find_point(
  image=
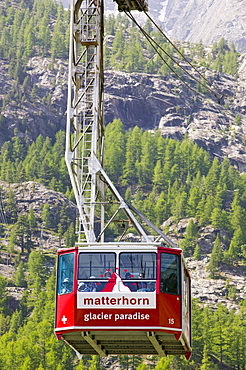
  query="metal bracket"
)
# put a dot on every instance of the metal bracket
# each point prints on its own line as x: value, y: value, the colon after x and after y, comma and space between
x: 152, y: 338
x: 93, y: 343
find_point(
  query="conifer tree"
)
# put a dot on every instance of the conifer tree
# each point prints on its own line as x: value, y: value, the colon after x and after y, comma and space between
x: 114, y: 149
x: 46, y: 217
x: 21, y: 232
x: 36, y: 268
x: 216, y: 257
x: 235, y: 248
x: 189, y: 241
x: 3, y: 295
x: 10, y: 207
x: 158, y: 179
x: 197, y: 252
x: 133, y: 154
x: 80, y: 366
x: 19, y: 277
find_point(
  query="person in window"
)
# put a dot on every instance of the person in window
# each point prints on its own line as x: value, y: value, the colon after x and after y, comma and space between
x: 83, y: 287
x: 92, y: 286
x: 66, y: 286
x: 142, y: 287
x: 131, y: 286
x: 171, y: 284
x: 107, y: 274
x: 151, y: 286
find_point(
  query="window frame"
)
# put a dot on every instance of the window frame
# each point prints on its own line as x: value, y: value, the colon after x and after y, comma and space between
x: 69, y: 275
x: 167, y: 286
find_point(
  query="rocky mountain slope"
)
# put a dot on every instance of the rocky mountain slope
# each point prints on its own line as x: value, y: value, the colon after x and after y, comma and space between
x: 155, y: 102
x: 206, y: 20
x: 149, y: 101
x: 198, y: 20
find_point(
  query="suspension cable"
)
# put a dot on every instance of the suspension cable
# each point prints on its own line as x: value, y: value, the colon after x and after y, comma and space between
x: 207, y: 84
x: 175, y: 47
x: 152, y: 42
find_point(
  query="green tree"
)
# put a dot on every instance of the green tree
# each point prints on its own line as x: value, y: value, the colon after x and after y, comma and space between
x: 19, y: 276
x: 10, y: 207
x: 133, y: 155
x: 197, y: 252
x: 164, y: 363
x: 189, y: 241
x: 80, y: 366
x: 36, y: 269
x: 3, y: 294
x: 235, y: 248
x: 216, y: 257
x: 21, y: 232
x: 118, y: 49
x: 46, y: 216
x: 58, y: 41
x: 114, y: 149
x: 16, y: 321
x: 70, y: 236
x: 219, y: 218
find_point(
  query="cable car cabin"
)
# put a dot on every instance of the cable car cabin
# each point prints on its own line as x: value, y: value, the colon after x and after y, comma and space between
x: 128, y: 5
x: 124, y: 298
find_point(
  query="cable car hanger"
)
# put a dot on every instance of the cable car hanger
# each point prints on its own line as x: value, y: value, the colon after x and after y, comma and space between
x: 121, y: 296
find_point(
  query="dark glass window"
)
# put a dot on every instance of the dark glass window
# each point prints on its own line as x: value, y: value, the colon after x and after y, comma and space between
x: 66, y: 273
x: 138, y: 271
x: 170, y: 273
x: 138, y: 265
x: 96, y: 265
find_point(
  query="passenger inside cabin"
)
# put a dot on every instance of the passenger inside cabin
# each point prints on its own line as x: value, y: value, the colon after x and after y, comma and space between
x: 82, y: 287
x: 67, y: 286
x: 142, y: 287
x: 92, y: 285
x: 107, y: 274
x: 131, y: 285
x: 170, y: 285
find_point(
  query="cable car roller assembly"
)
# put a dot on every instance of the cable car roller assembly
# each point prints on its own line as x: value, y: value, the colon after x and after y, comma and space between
x: 130, y: 295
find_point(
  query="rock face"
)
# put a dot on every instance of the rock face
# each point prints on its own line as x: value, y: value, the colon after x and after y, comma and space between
x: 206, y: 20
x: 229, y: 287
x: 149, y: 101
x: 196, y: 20
x: 42, y: 106
x: 211, y: 292
x: 35, y: 195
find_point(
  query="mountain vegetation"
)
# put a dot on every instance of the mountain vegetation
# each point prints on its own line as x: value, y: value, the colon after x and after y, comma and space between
x: 127, y: 49
x: 182, y: 181
x: 163, y: 178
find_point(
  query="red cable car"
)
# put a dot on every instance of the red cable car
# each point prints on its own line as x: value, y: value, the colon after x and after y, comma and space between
x: 124, y: 298
x: 112, y: 297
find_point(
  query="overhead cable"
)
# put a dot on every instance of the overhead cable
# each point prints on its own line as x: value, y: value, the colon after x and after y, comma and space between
x: 151, y: 41
x: 205, y: 84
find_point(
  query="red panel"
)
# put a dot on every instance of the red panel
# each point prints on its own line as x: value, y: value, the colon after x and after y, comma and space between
x: 170, y: 310
x: 65, y: 310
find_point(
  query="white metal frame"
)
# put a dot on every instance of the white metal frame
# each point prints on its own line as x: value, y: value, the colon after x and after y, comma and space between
x: 85, y: 132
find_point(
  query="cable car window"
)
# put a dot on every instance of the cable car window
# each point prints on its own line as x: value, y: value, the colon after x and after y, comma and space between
x: 138, y: 265
x: 170, y: 273
x: 96, y: 265
x: 138, y: 271
x: 66, y: 273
